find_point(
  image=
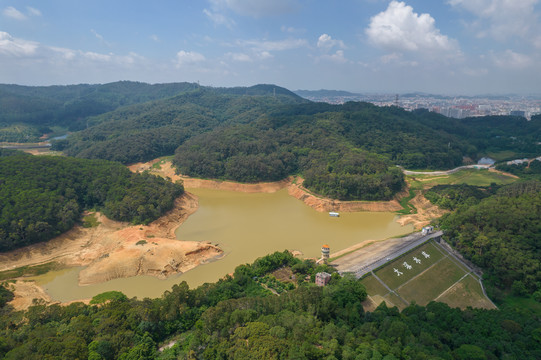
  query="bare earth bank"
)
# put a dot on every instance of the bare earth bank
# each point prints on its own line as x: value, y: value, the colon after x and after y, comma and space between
x: 113, y: 250
x: 293, y: 185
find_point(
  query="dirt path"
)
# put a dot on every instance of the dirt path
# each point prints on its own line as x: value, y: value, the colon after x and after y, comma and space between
x: 504, y: 173
x: 426, y: 212
x: 445, y: 172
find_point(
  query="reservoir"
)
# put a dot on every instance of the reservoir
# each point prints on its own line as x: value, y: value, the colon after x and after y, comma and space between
x: 245, y: 226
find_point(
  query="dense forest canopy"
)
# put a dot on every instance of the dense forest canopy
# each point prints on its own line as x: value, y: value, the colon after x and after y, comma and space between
x: 237, y: 318
x: 345, y: 151
x: 252, y: 134
x: 450, y: 197
x: 418, y: 139
x: 260, y: 133
x: 70, y: 105
x: 43, y: 196
x: 500, y: 233
x: 146, y: 131
x: 267, y: 150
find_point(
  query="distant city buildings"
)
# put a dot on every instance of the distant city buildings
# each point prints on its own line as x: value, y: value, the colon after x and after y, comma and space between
x: 456, y: 107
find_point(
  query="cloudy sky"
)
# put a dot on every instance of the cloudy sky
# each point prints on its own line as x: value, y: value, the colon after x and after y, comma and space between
x: 439, y: 46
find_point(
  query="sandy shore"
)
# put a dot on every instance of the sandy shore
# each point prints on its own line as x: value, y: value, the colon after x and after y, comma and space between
x: 113, y: 250
x: 116, y: 250
x: 293, y: 185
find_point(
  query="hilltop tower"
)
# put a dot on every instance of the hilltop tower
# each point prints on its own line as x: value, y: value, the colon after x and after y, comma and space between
x: 325, y: 251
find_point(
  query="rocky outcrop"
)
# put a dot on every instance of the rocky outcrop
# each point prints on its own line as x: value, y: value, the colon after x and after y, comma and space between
x: 157, y: 257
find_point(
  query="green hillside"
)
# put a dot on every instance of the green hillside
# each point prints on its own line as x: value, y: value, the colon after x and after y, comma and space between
x: 238, y: 318
x: 146, y: 131
x: 69, y: 106
x: 264, y: 133
x: 500, y: 233
x: 43, y: 196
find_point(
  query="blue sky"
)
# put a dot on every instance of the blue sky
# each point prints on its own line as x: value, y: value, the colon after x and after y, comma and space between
x: 447, y: 47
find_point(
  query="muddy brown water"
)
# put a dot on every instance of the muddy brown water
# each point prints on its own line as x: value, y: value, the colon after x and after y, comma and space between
x: 245, y: 226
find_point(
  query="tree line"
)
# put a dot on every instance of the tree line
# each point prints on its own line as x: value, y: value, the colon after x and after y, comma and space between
x: 236, y: 318
x: 500, y: 233
x: 43, y: 196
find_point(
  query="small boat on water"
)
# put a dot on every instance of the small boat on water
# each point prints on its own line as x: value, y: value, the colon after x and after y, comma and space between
x: 334, y: 214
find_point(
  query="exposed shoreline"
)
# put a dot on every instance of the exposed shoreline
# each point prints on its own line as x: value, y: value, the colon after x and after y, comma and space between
x: 118, y: 250
x: 114, y: 250
x: 292, y: 184
x: 425, y: 210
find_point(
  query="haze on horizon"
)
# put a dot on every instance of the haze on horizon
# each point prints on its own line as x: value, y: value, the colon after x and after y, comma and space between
x: 446, y: 46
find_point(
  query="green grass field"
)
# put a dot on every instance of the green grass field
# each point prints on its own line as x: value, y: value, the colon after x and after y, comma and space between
x: 395, y: 301
x: 466, y: 293
x: 476, y: 177
x: 430, y: 284
x: 373, y: 286
x: 439, y: 277
x: 388, y: 275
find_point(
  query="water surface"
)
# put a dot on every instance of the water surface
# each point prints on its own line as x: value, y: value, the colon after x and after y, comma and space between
x: 245, y: 226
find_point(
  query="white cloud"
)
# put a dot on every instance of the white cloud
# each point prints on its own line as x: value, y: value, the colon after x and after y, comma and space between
x: 389, y: 58
x: 537, y: 42
x: 154, y: 37
x: 279, y: 45
x: 512, y: 60
x: 219, y: 19
x: 100, y: 37
x: 258, y: 8
x: 400, y: 29
x: 241, y: 57
x: 11, y: 46
x: 97, y: 56
x: 33, y: 11
x: 66, y: 54
x: 16, y: 49
x: 398, y: 59
x: 337, y: 57
x: 189, y: 58
x: 260, y: 50
x: 475, y: 72
x: 501, y: 19
x: 292, y: 30
x: 13, y: 13
x: 326, y: 42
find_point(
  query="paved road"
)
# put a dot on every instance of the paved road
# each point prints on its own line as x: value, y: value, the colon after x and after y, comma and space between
x: 362, y: 261
x: 26, y: 146
x: 446, y: 172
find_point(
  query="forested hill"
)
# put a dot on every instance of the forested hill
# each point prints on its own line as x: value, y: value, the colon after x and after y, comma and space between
x: 348, y: 151
x: 69, y: 106
x: 499, y: 232
x: 145, y: 131
x: 43, y: 196
x: 265, y: 132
